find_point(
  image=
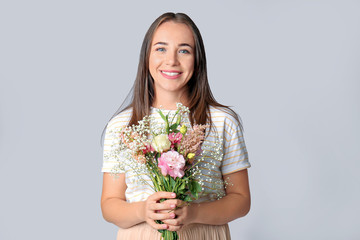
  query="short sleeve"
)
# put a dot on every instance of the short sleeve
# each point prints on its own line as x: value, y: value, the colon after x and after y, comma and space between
x: 235, y: 156
x: 111, y: 142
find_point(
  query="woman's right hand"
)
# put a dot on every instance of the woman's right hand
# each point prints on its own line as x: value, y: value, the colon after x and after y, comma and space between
x: 154, y: 210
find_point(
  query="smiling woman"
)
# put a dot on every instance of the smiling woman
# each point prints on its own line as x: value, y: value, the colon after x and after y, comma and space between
x: 172, y: 70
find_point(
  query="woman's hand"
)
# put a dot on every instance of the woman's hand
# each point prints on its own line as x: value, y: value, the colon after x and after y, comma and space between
x: 184, y: 214
x: 154, y: 210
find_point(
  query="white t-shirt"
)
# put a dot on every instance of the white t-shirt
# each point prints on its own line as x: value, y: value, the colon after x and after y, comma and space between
x: 224, y: 149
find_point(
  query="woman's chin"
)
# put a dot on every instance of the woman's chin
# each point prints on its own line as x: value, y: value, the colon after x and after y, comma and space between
x: 173, y: 88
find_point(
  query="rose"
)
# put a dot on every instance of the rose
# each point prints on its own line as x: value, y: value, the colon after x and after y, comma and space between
x: 161, y: 143
x: 172, y: 163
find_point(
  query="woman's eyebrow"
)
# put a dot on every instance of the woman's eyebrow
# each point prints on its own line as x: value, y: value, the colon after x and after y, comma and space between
x: 185, y: 45
x: 180, y: 45
x: 160, y: 43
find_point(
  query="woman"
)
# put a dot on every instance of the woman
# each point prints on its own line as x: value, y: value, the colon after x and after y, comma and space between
x: 172, y: 69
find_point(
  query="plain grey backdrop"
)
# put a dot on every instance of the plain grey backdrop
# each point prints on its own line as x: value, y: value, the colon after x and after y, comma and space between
x: 289, y: 68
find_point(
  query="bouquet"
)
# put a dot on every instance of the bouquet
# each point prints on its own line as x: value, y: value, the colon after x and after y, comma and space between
x: 167, y: 154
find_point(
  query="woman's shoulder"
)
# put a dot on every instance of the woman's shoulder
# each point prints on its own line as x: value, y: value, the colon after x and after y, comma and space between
x: 223, y: 115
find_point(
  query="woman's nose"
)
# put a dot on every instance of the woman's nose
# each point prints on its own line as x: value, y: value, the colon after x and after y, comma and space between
x: 172, y: 58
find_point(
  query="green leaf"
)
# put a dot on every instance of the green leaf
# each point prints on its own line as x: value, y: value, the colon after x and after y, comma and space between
x: 178, y: 120
x: 183, y: 191
x: 187, y: 199
x: 193, y: 190
x: 172, y: 183
x: 174, y: 126
x: 162, y: 115
x: 164, y: 183
x: 182, y: 186
x: 197, y: 186
x: 168, y: 183
x: 191, y: 185
x: 167, y: 124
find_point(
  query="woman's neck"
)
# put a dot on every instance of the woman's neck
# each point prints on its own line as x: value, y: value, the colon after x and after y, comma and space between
x: 168, y: 100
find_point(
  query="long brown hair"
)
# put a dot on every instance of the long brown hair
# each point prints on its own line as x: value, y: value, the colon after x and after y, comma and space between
x: 200, y: 95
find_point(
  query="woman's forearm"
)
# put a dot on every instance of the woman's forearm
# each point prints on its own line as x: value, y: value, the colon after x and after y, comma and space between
x: 121, y: 213
x: 222, y: 211
x: 218, y: 212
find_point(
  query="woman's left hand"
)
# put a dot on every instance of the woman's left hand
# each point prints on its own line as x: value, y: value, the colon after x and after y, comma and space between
x: 184, y: 214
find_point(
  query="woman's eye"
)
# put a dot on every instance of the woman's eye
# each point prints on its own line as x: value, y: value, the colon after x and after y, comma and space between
x: 184, y: 51
x: 160, y: 49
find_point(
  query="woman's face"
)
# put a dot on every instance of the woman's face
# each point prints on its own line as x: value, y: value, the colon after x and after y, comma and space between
x: 171, y: 61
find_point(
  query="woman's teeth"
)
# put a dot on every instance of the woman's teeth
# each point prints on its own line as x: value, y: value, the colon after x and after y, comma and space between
x: 171, y: 73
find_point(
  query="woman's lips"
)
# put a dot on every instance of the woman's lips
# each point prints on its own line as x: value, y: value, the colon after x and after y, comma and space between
x: 170, y: 74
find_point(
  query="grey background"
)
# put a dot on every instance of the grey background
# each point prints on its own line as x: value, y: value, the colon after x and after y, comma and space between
x: 289, y: 68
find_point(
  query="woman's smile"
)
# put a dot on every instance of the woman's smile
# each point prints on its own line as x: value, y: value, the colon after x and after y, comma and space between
x: 170, y: 74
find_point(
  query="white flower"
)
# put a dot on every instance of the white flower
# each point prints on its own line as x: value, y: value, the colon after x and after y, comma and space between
x: 161, y: 143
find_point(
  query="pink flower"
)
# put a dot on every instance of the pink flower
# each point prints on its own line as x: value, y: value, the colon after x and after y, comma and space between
x: 148, y: 148
x: 171, y: 163
x: 175, y: 138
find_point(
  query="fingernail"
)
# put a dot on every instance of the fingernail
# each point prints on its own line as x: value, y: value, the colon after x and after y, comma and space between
x: 172, y: 205
x: 164, y: 226
x: 172, y: 215
x: 173, y: 195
